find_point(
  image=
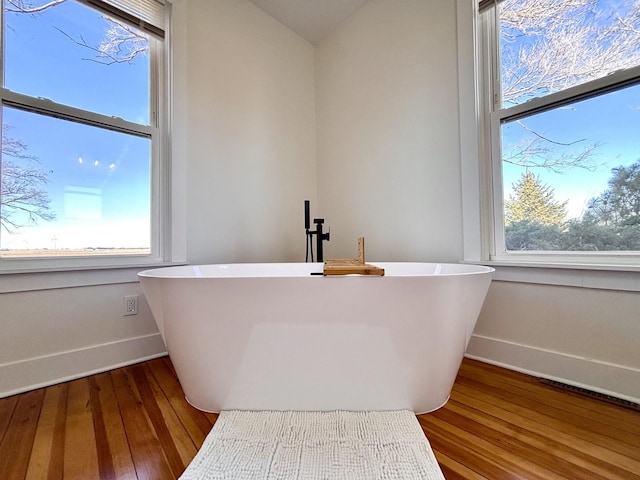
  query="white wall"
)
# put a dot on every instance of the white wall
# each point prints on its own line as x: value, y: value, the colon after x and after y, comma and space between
x: 249, y: 122
x: 58, y: 334
x: 581, y: 336
x: 388, y: 135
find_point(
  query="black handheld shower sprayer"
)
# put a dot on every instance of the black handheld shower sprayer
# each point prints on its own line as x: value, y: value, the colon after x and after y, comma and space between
x: 320, y: 235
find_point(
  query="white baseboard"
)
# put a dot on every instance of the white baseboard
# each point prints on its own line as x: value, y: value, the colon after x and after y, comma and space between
x: 24, y: 375
x: 610, y: 379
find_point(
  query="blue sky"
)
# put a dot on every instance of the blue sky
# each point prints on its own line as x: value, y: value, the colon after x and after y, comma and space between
x: 41, y: 61
x: 99, y: 180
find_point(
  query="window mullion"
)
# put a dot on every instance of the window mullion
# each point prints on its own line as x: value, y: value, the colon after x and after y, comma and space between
x: 582, y: 91
x: 2, y: 44
x: 489, y: 137
x: 495, y: 83
x: 158, y: 209
x: 51, y: 108
x: 498, y: 244
x: 155, y: 74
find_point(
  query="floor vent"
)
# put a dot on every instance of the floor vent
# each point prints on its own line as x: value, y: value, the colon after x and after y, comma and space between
x: 591, y: 394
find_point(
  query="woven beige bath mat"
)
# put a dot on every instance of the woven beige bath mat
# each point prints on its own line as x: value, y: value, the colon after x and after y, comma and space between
x: 315, y: 446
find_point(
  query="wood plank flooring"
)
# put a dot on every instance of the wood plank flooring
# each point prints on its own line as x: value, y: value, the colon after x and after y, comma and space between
x: 134, y: 423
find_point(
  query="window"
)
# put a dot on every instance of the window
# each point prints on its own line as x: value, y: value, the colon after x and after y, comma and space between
x: 560, y: 88
x: 82, y: 133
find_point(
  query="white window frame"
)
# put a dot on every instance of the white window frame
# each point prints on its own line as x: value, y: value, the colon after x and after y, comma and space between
x: 490, y: 232
x: 157, y: 132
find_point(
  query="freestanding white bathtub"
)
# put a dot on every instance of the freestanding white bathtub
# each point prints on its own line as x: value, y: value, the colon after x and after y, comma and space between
x: 276, y: 337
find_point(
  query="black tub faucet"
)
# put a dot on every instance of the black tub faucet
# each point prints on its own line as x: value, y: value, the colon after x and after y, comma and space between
x: 320, y: 235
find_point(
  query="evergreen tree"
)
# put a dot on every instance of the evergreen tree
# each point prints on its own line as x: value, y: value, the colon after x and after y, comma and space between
x: 533, y: 201
x: 620, y: 204
x: 529, y: 235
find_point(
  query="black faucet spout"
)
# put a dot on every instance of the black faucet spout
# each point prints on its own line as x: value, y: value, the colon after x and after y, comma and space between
x: 321, y: 235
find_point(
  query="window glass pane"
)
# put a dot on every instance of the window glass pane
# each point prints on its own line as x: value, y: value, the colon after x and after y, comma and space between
x: 75, y: 55
x: 548, y: 46
x: 72, y: 189
x: 571, y: 176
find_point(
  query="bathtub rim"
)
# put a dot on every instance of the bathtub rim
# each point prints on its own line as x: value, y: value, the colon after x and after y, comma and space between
x: 309, y: 270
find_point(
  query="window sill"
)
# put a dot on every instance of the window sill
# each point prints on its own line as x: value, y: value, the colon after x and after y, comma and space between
x: 46, y: 279
x: 597, y: 276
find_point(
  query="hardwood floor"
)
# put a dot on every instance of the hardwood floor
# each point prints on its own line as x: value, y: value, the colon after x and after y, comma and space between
x: 133, y: 423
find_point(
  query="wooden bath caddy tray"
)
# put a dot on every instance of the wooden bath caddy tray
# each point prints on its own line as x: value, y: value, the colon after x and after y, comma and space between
x: 352, y: 266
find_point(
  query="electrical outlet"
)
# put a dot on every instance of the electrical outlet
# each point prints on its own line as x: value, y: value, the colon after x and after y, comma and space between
x: 130, y: 305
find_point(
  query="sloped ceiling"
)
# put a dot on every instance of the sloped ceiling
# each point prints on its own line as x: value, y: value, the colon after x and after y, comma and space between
x: 311, y: 19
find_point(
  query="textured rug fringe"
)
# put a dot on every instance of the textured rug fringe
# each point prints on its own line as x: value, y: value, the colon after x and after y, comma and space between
x: 315, y: 445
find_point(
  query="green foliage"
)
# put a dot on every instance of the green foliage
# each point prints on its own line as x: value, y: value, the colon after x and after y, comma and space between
x: 533, y: 201
x: 585, y: 235
x: 612, y: 222
x: 532, y: 235
x: 620, y: 204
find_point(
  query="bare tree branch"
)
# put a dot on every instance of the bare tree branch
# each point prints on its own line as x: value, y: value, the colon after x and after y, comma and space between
x: 547, y: 139
x: 21, y: 6
x: 536, y: 153
x: 22, y: 192
x: 116, y: 50
x: 21, y: 185
x: 122, y: 43
x: 548, y: 46
x: 568, y: 42
x: 14, y: 147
